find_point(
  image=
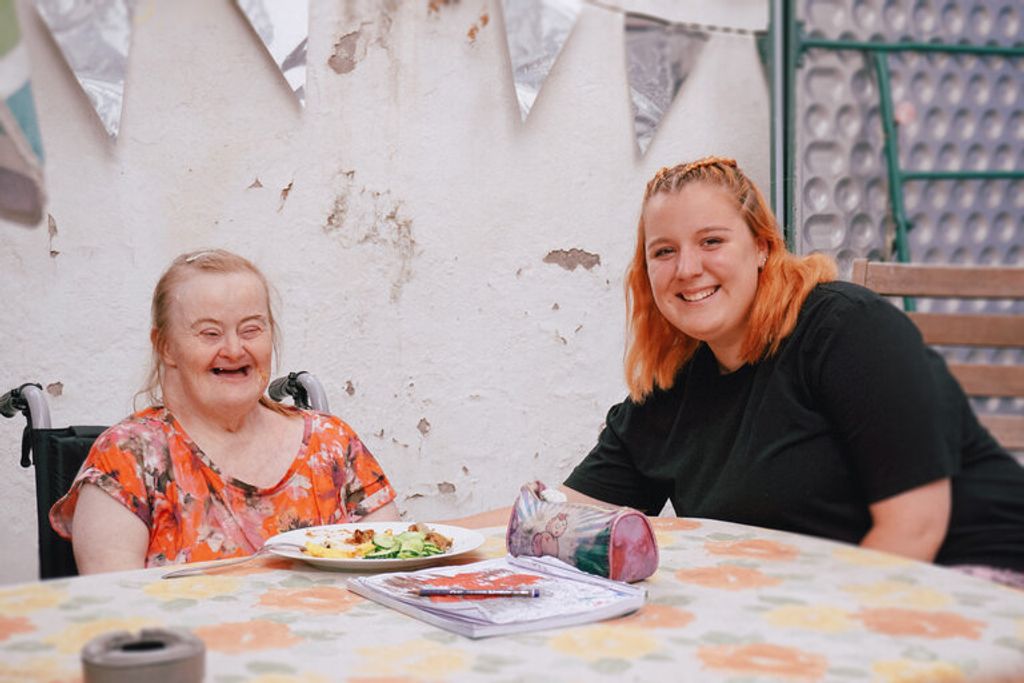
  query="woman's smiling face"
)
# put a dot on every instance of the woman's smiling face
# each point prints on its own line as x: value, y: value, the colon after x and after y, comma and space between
x: 702, y: 263
x: 219, y: 342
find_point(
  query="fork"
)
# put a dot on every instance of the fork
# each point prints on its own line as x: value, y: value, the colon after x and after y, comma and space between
x: 219, y: 564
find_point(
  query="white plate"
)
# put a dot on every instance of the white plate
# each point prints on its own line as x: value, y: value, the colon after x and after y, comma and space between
x: 463, y: 541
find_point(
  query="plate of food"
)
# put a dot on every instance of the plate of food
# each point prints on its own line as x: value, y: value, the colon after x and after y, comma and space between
x: 375, y: 546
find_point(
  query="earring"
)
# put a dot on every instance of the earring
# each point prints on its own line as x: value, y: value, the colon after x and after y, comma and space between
x: 764, y: 260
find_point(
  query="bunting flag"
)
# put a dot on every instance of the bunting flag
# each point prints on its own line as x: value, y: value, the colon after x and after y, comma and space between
x: 283, y: 26
x: 659, y: 57
x: 94, y: 38
x: 21, y: 150
x: 535, y: 31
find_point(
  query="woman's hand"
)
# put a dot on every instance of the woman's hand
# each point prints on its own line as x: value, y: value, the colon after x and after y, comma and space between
x: 912, y: 523
x: 105, y: 535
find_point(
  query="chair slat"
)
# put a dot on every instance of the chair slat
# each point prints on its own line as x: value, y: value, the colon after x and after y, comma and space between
x: 971, y: 330
x: 956, y: 329
x: 904, y: 279
x: 989, y: 380
x: 1008, y: 430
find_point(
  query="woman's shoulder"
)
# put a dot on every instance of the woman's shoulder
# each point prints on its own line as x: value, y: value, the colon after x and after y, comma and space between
x: 325, y: 423
x: 154, y: 419
x: 839, y: 303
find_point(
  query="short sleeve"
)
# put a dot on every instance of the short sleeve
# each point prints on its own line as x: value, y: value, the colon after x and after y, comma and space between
x: 113, y: 467
x: 877, y: 383
x: 609, y: 472
x: 366, y: 486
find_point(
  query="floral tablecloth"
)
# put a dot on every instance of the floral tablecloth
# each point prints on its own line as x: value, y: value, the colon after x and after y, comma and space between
x: 728, y: 603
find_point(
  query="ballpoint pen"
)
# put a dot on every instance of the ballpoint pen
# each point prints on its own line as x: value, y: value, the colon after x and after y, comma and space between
x: 485, y: 592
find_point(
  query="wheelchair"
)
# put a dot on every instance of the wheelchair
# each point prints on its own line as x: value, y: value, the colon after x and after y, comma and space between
x: 58, y: 453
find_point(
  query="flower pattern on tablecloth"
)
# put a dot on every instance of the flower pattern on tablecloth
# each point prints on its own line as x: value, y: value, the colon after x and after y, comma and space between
x: 728, y: 603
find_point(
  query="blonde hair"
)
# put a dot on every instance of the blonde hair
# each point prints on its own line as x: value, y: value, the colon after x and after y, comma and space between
x: 181, y: 268
x: 655, y: 349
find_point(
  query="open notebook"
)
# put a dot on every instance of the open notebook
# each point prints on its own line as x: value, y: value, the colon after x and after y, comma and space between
x: 564, y: 595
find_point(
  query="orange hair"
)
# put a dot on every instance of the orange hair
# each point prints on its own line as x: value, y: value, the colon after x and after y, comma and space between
x: 202, y: 261
x: 655, y: 349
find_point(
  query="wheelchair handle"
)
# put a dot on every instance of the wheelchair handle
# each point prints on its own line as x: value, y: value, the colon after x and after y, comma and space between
x: 29, y: 400
x: 304, y: 388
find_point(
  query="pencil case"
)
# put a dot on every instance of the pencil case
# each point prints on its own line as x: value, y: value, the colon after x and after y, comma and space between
x: 615, y: 543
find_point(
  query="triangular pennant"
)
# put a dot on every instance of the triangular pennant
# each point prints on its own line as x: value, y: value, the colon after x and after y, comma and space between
x: 21, y: 150
x: 536, y: 30
x: 94, y: 38
x: 283, y: 26
x: 659, y: 57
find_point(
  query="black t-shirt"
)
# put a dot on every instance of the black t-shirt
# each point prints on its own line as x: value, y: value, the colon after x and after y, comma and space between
x: 854, y: 408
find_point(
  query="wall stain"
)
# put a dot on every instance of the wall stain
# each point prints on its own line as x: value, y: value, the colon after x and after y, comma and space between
x: 367, y: 217
x: 255, y: 184
x: 477, y: 26
x: 349, y: 388
x: 434, y: 6
x: 423, y: 426
x: 55, y: 388
x: 572, y: 258
x: 284, y: 195
x: 445, y: 487
x: 51, y: 226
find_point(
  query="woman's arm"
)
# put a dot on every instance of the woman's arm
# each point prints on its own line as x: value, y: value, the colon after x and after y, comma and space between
x: 106, y: 536
x: 912, y: 523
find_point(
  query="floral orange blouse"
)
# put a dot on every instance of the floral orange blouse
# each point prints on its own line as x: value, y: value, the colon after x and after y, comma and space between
x: 151, y: 466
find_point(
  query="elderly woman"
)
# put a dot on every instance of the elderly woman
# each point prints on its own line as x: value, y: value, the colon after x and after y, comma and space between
x: 213, y: 468
x: 764, y: 392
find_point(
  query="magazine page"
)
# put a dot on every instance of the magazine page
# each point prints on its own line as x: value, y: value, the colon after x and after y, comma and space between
x: 525, y: 593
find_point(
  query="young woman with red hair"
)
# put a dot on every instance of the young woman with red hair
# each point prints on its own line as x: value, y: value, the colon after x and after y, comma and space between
x: 764, y: 391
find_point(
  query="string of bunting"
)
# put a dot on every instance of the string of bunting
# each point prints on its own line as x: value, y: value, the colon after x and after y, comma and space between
x: 660, y: 54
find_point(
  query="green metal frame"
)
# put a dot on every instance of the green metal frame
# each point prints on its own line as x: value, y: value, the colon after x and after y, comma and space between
x: 795, y: 44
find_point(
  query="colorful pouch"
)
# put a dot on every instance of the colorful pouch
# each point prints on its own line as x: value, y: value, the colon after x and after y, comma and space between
x: 618, y: 543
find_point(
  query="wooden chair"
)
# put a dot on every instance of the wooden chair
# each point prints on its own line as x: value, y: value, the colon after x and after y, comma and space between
x: 986, y: 329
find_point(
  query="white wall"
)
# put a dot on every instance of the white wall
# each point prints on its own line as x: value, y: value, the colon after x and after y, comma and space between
x: 409, y: 251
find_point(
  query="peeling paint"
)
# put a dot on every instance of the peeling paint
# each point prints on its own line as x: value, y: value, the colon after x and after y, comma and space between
x: 465, y: 470
x: 412, y: 496
x: 572, y: 258
x: 434, y: 6
x: 351, y: 48
x: 347, y: 53
x: 476, y: 27
x: 578, y: 328
x: 560, y: 339
x: 380, y: 434
x: 423, y: 426
x: 51, y: 225
x: 445, y: 487
x: 555, y: 306
x: 372, y: 217
x: 284, y: 194
x: 255, y: 184
x: 55, y: 388
x: 350, y: 389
